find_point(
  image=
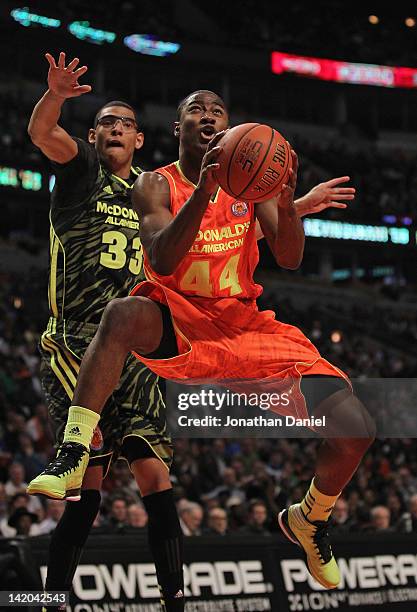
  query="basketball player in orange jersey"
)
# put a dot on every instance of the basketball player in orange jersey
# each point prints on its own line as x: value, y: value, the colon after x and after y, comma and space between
x: 196, y: 317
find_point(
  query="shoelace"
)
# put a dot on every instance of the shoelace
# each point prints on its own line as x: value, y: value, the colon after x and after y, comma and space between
x: 69, y: 458
x: 321, y: 541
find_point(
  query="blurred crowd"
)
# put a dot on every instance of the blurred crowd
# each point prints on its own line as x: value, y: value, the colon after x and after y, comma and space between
x: 221, y: 486
x: 298, y: 28
x: 386, y: 181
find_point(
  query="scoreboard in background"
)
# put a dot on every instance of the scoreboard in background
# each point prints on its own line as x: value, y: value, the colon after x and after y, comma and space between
x: 340, y: 230
x: 344, y: 72
x: 20, y: 178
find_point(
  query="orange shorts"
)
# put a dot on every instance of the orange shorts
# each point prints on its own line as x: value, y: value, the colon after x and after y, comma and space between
x: 228, y: 339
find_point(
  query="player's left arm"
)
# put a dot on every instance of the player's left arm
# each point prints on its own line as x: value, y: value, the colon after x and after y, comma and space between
x: 281, y: 224
x: 322, y: 196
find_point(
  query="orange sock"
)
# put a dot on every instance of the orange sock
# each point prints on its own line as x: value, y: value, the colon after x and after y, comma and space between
x: 317, y: 506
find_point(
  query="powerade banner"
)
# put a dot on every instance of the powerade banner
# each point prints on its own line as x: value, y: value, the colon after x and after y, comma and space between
x: 245, y: 574
x: 222, y: 574
x: 376, y: 572
x: 344, y: 72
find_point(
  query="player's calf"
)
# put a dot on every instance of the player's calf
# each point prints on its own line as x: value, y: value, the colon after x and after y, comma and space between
x: 306, y: 523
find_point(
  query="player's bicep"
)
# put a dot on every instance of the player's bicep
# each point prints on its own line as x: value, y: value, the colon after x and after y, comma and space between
x: 57, y: 145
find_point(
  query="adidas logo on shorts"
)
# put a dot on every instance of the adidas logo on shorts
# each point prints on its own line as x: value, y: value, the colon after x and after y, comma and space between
x: 179, y: 595
x: 75, y: 431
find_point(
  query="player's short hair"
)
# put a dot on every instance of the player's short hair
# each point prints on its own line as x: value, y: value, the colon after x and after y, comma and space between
x: 184, y: 101
x: 115, y: 103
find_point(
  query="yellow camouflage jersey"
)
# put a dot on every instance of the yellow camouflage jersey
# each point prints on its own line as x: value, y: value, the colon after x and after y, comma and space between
x: 95, y: 249
x: 96, y: 255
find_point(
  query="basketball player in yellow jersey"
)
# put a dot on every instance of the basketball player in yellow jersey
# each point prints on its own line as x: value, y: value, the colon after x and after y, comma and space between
x: 96, y: 255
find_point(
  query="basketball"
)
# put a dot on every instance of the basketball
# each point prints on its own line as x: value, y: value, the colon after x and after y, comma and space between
x: 255, y: 162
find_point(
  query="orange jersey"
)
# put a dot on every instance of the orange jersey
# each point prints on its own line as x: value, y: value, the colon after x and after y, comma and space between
x: 224, y: 254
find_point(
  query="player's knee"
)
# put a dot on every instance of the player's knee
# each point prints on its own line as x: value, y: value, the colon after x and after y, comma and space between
x: 125, y: 319
x: 350, y: 429
x: 112, y: 321
x: 348, y: 421
x: 133, y: 321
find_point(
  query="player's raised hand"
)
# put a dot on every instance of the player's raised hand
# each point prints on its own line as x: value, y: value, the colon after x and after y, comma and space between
x: 208, y: 181
x: 63, y: 80
x: 329, y: 194
x: 286, y: 196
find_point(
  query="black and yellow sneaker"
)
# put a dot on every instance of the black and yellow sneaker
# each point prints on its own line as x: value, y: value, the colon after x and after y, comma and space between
x: 314, y: 540
x: 63, y: 477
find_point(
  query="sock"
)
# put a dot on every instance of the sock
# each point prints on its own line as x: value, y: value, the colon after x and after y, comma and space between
x: 68, y: 540
x: 80, y: 425
x: 317, y: 506
x: 166, y: 544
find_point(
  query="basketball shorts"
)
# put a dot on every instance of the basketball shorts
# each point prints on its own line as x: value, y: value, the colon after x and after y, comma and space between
x: 132, y: 423
x: 230, y: 340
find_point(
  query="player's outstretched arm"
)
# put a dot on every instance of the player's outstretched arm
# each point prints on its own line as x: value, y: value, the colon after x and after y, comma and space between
x: 281, y: 225
x: 43, y: 127
x: 328, y: 194
x: 165, y: 238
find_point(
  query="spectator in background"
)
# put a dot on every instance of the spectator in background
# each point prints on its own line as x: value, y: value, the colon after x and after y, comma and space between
x: 3, y: 503
x: 54, y: 510
x: 117, y: 518
x: 38, y: 428
x: 137, y: 516
x: 408, y: 521
x: 32, y: 462
x: 24, y: 522
x: 229, y: 488
x: 395, y: 507
x: 340, y: 517
x: 20, y: 500
x: 258, y: 516
x: 191, y: 517
x: 261, y: 486
x: 236, y: 512
x: 217, y: 522
x: 380, y: 519
x: 16, y: 482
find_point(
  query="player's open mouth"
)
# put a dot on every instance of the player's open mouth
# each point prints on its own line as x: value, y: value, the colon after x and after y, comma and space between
x: 207, y: 133
x: 114, y: 143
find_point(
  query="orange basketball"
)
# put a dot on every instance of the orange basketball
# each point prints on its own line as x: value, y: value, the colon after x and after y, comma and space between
x: 255, y: 162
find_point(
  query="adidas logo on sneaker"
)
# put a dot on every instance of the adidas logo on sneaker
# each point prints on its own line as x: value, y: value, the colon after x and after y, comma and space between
x: 75, y: 431
x: 179, y: 595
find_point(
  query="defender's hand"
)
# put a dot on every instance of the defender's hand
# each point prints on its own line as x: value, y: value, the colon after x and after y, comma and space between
x: 326, y: 195
x: 63, y: 80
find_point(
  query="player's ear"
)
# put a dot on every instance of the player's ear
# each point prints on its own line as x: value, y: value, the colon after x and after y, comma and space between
x: 177, y: 129
x: 139, y: 140
x: 91, y: 136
